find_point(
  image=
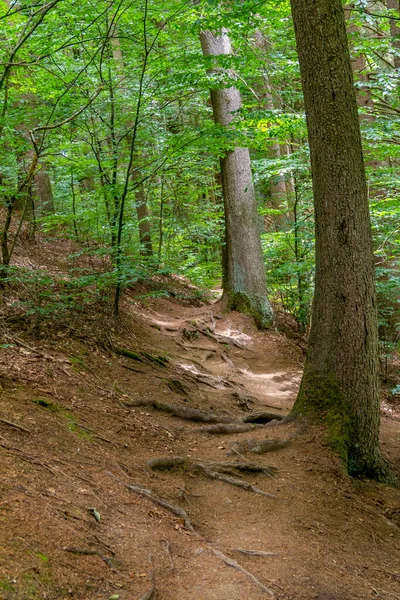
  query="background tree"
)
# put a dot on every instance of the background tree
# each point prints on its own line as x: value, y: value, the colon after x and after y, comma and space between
x: 244, y: 277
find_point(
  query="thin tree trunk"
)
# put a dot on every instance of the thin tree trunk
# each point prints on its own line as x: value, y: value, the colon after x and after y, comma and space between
x: 146, y: 246
x: 244, y: 276
x: 276, y: 188
x: 340, y: 385
x: 74, y: 206
x: 290, y: 184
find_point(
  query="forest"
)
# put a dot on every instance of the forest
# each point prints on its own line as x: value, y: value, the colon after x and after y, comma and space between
x: 200, y: 242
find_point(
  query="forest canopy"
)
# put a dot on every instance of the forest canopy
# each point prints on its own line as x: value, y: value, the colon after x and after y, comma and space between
x: 107, y: 136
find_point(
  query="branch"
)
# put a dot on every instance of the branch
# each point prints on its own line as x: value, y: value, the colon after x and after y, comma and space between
x: 69, y: 119
x: 25, y: 36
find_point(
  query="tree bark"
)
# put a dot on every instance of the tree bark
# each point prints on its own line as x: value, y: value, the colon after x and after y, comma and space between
x: 276, y: 192
x: 395, y: 30
x: 244, y: 272
x: 360, y: 74
x: 340, y: 385
x: 44, y: 204
x: 146, y: 247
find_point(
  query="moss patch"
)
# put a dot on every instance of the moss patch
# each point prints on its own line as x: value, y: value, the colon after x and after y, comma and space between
x: 67, y: 415
x: 158, y: 359
x: 242, y: 302
x: 129, y: 354
x: 321, y: 400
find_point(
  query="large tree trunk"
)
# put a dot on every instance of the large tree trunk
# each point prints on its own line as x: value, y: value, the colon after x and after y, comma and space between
x: 340, y: 384
x: 244, y: 272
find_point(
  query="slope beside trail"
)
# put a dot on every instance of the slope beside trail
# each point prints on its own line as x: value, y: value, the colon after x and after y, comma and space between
x: 84, y: 516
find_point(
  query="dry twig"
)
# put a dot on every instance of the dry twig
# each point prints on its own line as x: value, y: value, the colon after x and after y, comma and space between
x: 232, y: 563
x: 218, y: 471
x: 254, y: 552
x: 145, y: 493
x: 11, y: 424
x: 167, y: 547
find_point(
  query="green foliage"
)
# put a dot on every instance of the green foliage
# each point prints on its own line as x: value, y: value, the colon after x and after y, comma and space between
x: 95, y: 88
x: 44, y: 298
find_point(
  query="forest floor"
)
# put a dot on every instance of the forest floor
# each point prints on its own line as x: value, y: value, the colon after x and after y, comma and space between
x: 85, y: 516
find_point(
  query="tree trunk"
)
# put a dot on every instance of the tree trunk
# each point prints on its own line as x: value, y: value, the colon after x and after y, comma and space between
x: 360, y: 74
x: 142, y: 212
x: 275, y: 190
x: 340, y: 384
x: 395, y: 30
x: 244, y: 276
x: 44, y: 194
x: 146, y: 247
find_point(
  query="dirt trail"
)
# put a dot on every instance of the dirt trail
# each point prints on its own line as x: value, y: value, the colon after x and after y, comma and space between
x: 80, y: 422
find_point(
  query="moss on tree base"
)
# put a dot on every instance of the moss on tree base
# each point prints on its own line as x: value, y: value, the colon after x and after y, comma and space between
x: 257, y: 308
x: 322, y: 402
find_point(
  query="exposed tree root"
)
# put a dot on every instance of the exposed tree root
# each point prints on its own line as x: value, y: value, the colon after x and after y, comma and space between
x: 245, y: 467
x: 263, y: 417
x: 227, y: 428
x: 199, y: 376
x: 176, y: 386
x: 83, y: 551
x: 167, y: 547
x: 243, y: 400
x: 257, y: 446
x: 221, y: 339
x: 232, y: 563
x: 149, y: 594
x: 128, y: 354
x: 159, y: 360
x: 185, y: 412
x: 278, y: 420
x: 168, y: 463
x: 254, y: 552
x: 218, y: 471
x: 133, y: 369
x: 230, y: 468
x: 235, y: 482
x: 220, y: 424
x: 180, y: 512
x: 227, y: 360
x: 94, y: 433
x: 145, y: 493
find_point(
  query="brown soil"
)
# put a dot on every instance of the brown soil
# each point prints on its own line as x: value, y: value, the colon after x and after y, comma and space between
x: 73, y: 436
